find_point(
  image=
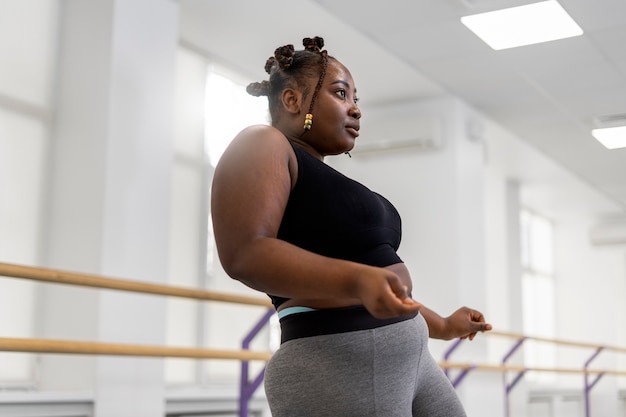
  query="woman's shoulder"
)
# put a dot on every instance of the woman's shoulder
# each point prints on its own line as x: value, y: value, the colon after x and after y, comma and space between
x: 259, y: 139
x: 262, y: 135
x: 258, y: 145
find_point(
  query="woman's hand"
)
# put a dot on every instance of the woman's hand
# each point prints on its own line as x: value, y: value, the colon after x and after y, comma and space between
x: 465, y: 323
x: 384, y: 294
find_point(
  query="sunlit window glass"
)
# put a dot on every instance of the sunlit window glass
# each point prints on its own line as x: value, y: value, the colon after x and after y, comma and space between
x: 541, y: 249
x: 229, y: 109
x: 538, y: 291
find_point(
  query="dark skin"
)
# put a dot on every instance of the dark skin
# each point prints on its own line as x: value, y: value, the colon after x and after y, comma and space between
x: 250, y: 190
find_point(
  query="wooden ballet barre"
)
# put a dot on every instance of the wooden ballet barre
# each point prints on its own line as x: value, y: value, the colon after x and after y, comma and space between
x: 115, y: 349
x: 50, y: 346
x: 557, y: 341
x: 97, y: 281
x: 519, y: 368
x: 90, y: 280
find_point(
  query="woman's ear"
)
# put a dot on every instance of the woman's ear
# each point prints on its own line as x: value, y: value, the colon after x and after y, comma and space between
x: 291, y: 100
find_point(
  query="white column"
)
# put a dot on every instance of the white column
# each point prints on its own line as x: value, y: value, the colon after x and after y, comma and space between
x: 110, y: 194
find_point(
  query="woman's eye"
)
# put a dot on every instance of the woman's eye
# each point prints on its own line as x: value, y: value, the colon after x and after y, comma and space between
x: 356, y: 100
x: 341, y: 93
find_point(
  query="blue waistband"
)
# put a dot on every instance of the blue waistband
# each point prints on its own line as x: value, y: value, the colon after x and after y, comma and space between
x: 293, y: 310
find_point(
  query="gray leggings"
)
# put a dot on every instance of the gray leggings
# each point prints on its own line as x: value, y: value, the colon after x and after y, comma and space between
x: 383, y: 372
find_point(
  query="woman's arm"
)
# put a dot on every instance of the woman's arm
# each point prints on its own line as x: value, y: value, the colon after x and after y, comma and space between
x: 464, y: 323
x: 251, y: 187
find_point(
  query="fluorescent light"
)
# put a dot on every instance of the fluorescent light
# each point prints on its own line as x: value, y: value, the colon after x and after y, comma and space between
x: 523, y: 25
x: 611, y: 137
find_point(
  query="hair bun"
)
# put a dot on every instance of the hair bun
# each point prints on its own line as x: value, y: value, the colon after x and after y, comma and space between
x: 284, y: 56
x: 269, y: 64
x: 313, y: 44
x: 259, y: 89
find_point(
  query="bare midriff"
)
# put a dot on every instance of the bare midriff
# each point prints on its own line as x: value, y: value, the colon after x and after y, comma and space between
x: 399, y: 269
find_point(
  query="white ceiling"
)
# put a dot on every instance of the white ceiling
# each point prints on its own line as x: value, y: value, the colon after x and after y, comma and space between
x: 546, y: 94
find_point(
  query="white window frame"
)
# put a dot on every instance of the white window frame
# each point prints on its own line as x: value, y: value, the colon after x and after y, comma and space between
x: 538, y: 292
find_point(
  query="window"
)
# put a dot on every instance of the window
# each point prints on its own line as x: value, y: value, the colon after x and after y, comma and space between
x: 28, y: 45
x: 537, y: 247
x: 212, y: 106
x: 228, y: 109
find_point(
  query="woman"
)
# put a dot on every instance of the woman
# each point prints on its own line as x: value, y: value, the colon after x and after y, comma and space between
x: 323, y: 247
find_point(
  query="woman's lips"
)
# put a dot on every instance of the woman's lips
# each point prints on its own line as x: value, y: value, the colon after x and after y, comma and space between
x: 354, y: 131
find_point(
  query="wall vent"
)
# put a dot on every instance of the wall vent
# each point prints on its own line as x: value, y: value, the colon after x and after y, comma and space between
x: 490, y: 5
x: 610, y: 120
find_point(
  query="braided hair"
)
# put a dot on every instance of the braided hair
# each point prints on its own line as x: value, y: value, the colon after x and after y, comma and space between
x: 291, y: 68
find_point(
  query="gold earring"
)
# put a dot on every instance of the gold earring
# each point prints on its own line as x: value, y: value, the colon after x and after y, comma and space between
x: 308, y: 121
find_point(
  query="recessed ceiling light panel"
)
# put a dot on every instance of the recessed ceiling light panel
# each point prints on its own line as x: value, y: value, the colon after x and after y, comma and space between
x: 611, y: 137
x: 523, y: 25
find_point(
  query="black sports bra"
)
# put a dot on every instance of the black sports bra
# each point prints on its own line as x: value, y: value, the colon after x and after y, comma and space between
x: 335, y: 216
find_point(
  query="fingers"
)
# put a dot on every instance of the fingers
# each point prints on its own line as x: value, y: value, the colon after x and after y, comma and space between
x: 468, y: 323
x: 385, y: 295
x: 478, y: 325
x: 393, y: 307
x: 399, y: 290
x: 479, y: 321
x: 395, y: 303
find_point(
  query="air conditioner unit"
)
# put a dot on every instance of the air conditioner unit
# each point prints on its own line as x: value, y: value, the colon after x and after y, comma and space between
x: 611, y: 232
x: 398, y: 127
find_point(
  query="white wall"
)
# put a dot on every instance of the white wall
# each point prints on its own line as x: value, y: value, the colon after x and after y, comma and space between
x: 574, y: 207
x: 27, y: 41
x: 589, y: 280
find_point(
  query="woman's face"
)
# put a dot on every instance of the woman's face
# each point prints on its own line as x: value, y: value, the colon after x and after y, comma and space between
x: 335, y: 113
